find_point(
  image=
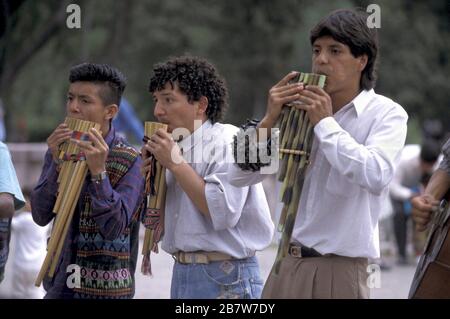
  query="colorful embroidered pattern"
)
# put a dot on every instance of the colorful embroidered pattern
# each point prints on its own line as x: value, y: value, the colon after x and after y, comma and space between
x: 105, y: 263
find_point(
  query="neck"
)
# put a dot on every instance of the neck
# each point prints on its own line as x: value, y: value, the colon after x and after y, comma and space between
x: 342, y: 98
x: 105, y: 129
x: 197, y: 124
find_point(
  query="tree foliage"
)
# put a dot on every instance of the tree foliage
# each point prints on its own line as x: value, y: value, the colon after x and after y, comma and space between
x: 252, y: 42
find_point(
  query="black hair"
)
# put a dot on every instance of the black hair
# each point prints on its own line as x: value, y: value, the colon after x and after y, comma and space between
x: 195, y: 77
x: 429, y: 151
x: 113, y: 80
x: 350, y: 28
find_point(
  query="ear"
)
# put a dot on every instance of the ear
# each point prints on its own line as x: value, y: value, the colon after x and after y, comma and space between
x: 202, y: 105
x: 111, y: 111
x: 362, y: 62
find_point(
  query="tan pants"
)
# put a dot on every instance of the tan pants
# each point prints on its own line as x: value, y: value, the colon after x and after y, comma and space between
x: 327, y: 277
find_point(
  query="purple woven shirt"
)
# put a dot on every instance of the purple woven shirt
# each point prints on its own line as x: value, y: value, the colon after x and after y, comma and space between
x: 112, y: 210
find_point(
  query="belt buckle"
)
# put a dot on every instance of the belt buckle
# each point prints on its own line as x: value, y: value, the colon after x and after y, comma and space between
x: 296, y: 251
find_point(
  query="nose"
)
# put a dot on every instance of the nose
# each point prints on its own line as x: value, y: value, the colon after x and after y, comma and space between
x: 321, y: 58
x: 158, y: 111
x: 72, y: 107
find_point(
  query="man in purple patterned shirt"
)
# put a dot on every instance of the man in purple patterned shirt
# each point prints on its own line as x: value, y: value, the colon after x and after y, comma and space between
x: 102, y: 241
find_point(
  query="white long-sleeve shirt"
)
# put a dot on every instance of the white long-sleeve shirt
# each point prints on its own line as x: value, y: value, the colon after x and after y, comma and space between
x: 240, y: 221
x: 352, y: 162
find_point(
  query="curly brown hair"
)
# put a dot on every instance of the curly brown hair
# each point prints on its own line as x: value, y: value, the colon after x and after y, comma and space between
x: 195, y: 77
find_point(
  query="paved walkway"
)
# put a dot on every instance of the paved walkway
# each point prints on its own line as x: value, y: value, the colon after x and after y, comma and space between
x: 394, y: 283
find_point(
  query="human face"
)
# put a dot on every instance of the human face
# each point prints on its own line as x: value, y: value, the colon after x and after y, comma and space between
x: 173, y: 108
x: 84, y: 103
x: 335, y: 60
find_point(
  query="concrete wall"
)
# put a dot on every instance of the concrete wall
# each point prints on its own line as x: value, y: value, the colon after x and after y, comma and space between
x: 28, y: 159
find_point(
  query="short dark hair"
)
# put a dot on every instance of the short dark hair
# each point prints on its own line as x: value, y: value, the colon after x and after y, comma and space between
x: 429, y: 151
x: 195, y: 77
x: 103, y: 74
x: 350, y: 28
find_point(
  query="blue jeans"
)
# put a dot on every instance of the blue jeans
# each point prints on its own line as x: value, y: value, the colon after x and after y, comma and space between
x: 231, y: 279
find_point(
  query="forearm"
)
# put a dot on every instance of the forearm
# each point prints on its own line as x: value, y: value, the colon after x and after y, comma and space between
x: 193, y: 185
x: 438, y: 185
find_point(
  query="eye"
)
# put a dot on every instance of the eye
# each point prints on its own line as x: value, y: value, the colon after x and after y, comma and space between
x: 69, y: 98
x: 335, y: 51
x: 168, y: 100
x: 315, y: 51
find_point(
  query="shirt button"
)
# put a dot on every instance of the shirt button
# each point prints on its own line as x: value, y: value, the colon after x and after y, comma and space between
x: 176, y: 215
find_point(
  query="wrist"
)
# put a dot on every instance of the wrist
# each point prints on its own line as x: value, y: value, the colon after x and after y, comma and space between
x: 175, y: 168
x: 98, y: 171
x: 267, y: 122
x: 97, y: 178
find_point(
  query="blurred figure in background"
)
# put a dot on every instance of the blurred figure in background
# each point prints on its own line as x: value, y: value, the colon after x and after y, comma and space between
x: 11, y: 199
x: 30, y: 243
x: 417, y: 163
x: 128, y: 124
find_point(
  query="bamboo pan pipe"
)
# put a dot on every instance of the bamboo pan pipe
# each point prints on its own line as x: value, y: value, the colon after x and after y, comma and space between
x: 155, y: 188
x: 295, y: 148
x: 73, y: 171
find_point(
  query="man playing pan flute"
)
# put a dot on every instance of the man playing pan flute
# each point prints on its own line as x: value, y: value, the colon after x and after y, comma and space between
x: 212, y: 229
x: 358, y: 135
x: 102, y: 240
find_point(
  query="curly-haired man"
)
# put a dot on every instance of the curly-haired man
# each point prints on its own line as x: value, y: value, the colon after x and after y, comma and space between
x: 211, y: 228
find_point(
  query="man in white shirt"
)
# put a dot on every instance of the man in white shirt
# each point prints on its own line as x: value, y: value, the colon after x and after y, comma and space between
x: 211, y: 228
x: 413, y: 171
x: 358, y: 135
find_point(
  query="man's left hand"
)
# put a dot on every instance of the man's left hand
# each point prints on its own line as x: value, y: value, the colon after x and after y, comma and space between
x: 96, y: 151
x: 316, y: 103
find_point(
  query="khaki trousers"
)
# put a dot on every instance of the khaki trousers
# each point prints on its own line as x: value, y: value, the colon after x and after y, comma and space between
x: 327, y: 277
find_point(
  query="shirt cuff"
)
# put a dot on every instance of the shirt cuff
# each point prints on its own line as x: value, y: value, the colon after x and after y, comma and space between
x: 102, y: 190
x: 325, y: 127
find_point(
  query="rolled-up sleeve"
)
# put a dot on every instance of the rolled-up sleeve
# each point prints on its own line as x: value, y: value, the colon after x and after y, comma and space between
x: 371, y: 165
x: 112, y: 209
x: 225, y: 202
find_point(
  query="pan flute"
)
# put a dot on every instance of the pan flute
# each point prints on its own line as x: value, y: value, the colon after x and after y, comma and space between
x: 295, y: 148
x: 73, y: 171
x: 155, y: 190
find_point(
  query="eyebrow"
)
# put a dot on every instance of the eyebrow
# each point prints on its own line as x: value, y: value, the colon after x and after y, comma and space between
x: 167, y: 94
x: 336, y: 45
x: 82, y: 96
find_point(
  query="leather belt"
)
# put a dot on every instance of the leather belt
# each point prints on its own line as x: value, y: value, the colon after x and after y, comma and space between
x: 300, y: 251
x: 200, y: 257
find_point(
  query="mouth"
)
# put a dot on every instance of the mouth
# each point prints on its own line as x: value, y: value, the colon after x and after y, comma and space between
x: 321, y: 73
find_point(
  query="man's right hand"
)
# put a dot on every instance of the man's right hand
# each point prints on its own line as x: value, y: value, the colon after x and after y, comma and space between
x: 61, y: 134
x: 423, y: 207
x: 279, y: 95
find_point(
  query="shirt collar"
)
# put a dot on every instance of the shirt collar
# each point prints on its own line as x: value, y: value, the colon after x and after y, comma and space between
x: 361, y: 100
x: 110, y: 136
x: 196, y: 137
